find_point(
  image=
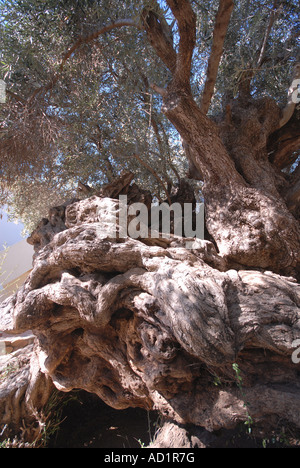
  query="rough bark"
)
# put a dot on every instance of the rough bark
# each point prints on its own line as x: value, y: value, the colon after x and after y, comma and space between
x: 158, y: 326
x: 283, y: 144
x: 220, y: 30
x: 24, y: 390
x: 247, y: 213
x: 150, y: 323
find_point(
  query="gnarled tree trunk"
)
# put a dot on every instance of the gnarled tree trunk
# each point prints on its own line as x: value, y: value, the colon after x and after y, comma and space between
x: 158, y: 326
x: 152, y: 324
x: 250, y: 205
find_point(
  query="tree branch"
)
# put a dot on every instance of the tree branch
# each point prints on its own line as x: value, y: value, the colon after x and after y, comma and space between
x: 84, y: 40
x: 94, y: 35
x: 286, y: 146
x: 159, y: 36
x: 248, y: 74
x: 292, y: 196
x: 158, y: 89
x: 15, y: 96
x: 274, y: 14
x: 186, y: 20
x: 220, y: 30
x: 152, y: 171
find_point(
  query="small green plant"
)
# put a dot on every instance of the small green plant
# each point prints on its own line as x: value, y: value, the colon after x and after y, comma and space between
x: 239, y: 380
x: 264, y: 443
x: 46, y: 425
x: 142, y: 444
x: 52, y: 417
x: 157, y: 424
x: 217, y: 381
x: 284, y: 437
x: 8, y: 370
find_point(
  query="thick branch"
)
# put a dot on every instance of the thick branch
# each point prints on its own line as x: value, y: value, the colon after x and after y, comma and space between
x: 225, y: 188
x: 158, y: 35
x: 292, y: 196
x: 220, y: 29
x: 186, y: 20
x: 284, y: 143
x: 194, y: 172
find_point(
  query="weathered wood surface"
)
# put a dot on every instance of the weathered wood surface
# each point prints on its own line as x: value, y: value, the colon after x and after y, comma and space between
x: 158, y: 326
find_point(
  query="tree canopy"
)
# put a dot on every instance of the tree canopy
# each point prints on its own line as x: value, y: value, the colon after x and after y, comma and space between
x: 83, y: 85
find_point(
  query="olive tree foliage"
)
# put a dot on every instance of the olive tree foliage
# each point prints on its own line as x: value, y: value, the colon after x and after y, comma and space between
x: 80, y: 105
x: 262, y: 41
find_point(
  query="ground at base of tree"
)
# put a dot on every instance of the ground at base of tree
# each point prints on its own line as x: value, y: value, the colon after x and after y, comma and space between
x: 90, y: 423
